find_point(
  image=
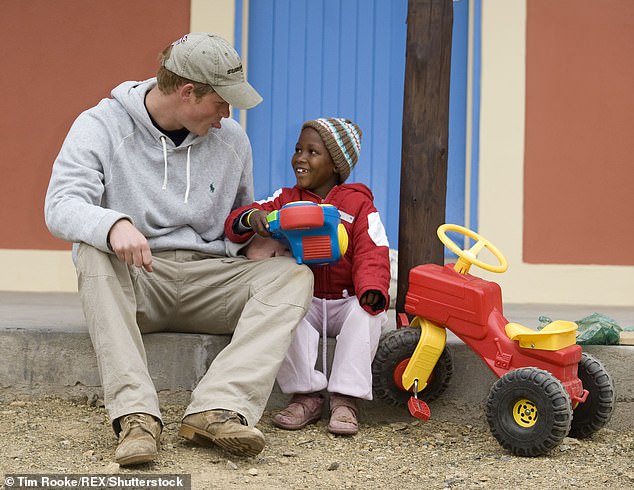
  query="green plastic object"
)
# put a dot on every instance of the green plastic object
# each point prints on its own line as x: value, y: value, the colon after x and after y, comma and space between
x: 596, y: 329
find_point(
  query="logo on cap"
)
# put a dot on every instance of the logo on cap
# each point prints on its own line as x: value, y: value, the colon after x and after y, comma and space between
x: 234, y: 70
x: 181, y: 40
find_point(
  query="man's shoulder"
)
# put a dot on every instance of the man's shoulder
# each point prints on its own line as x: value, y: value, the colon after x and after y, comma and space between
x: 105, y: 108
x: 231, y: 133
x: 230, y: 128
x: 106, y: 116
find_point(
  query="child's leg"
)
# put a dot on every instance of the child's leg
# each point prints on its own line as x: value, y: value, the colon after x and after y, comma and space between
x: 297, y: 373
x: 358, y: 339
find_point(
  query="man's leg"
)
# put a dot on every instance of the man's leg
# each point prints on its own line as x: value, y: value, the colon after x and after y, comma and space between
x: 109, y: 304
x: 265, y: 300
x: 108, y: 298
x: 261, y: 302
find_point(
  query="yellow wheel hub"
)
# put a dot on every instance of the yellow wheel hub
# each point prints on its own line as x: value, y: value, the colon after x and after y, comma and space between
x: 525, y: 413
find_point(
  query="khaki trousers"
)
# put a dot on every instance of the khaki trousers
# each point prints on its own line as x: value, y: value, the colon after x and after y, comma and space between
x: 259, y: 302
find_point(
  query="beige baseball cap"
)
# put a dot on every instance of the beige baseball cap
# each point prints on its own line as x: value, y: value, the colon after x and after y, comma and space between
x: 209, y: 59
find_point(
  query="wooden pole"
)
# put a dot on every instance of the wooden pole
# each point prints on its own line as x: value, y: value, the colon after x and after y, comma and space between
x: 425, y: 137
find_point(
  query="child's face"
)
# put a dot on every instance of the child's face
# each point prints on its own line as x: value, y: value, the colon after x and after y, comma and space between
x: 314, y: 169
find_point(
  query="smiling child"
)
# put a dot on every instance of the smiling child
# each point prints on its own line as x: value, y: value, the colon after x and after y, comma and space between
x: 350, y: 296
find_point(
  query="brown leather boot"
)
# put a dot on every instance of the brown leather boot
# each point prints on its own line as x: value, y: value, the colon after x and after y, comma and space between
x: 302, y: 410
x: 139, y: 439
x: 227, y: 429
x: 343, y: 415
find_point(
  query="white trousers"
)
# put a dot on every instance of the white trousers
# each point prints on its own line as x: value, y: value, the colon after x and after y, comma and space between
x: 357, y: 333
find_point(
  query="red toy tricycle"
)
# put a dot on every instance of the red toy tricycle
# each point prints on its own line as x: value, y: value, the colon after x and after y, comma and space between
x: 547, y: 387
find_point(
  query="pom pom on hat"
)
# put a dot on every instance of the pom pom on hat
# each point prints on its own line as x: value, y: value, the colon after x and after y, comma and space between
x: 342, y: 138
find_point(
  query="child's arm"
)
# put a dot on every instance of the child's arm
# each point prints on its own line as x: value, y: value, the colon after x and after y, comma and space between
x: 371, y: 260
x: 244, y: 221
x: 236, y: 229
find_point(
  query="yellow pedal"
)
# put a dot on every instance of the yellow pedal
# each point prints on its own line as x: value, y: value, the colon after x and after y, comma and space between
x: 554, y: 336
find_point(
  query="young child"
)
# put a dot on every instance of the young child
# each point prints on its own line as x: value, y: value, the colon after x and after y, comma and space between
x: 350, y: 296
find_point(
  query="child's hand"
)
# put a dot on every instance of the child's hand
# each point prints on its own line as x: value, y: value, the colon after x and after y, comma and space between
x: 372, y: 298
x: 257, y: 222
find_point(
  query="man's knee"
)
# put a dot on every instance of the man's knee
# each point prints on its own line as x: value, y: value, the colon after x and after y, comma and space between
x: 89, y: 258
x: 299, y: 276
x: 304, y: 284
x: 289, y: 282
x: 92, y: 262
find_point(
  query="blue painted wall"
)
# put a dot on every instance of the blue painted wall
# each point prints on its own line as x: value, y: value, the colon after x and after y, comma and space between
x: 339, y: 58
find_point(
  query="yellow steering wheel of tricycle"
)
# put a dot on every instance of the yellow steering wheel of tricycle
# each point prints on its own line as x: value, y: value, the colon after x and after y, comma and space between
x: 469, y: 257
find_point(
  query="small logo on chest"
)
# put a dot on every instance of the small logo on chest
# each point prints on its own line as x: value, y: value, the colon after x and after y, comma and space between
x: 211, y: 187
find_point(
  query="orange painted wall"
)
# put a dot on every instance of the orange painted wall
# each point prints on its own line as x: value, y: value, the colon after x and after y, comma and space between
x: 579, y: 149
x: 59, y: 58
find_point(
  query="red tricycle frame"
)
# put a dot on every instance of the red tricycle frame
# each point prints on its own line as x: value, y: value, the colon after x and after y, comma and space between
x: 547, y: 387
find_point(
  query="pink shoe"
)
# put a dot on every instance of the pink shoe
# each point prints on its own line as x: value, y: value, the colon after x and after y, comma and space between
x: 343, y: 415
x: 301, y: 411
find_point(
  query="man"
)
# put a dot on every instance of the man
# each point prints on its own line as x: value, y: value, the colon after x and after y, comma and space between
x: 142, y: 186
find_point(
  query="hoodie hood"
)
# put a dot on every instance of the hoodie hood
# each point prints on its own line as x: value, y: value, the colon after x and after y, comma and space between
x: 131, y: 95
x: 356, y: 187
x: 337, y: 193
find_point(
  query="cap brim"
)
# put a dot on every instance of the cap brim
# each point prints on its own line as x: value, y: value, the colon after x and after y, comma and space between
x: 240, y: 95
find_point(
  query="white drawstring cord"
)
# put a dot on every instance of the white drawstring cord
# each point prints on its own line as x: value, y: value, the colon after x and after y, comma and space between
x: 324, y: 338
x: 188, y: 177
x: 163, y: 138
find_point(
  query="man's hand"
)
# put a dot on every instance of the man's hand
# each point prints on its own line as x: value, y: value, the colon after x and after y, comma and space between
x: 129, y: 245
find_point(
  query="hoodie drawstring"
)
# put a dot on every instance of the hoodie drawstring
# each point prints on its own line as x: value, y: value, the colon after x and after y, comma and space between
x: 188, y: 170
x: 163, y: 138
x: 188, y: 177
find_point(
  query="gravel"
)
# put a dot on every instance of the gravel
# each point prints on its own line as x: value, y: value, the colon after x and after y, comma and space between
x: 454, y: 449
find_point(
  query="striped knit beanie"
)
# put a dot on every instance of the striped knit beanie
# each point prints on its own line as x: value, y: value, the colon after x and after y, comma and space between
x: 342, y: 138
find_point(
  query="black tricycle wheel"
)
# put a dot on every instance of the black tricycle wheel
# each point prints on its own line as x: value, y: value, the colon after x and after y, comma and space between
x: 393, y: 354
x: 529, y: 411
x: 590, y: 416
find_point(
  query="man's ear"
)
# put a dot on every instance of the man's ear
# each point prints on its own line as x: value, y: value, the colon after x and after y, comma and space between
x: 186, y: 91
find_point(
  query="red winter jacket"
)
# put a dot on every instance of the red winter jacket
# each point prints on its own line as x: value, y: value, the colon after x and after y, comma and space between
x: 366, y: 264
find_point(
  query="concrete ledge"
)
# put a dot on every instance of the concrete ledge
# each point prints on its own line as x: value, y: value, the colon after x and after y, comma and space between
x: 44, y: 362
x: 46, y: 350
x: 39, y: 362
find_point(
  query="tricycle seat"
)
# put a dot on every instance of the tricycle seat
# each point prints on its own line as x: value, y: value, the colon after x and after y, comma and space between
x: 554, y: 336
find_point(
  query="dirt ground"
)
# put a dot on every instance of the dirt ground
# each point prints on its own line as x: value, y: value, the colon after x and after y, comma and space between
x: 454, y: 449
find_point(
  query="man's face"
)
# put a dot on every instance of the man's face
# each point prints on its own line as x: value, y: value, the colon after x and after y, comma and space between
x: 201, y: 114
x: 313, y: 165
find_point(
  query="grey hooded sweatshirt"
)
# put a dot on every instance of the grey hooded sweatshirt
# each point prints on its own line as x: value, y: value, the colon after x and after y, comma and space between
x: 115, y: 164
